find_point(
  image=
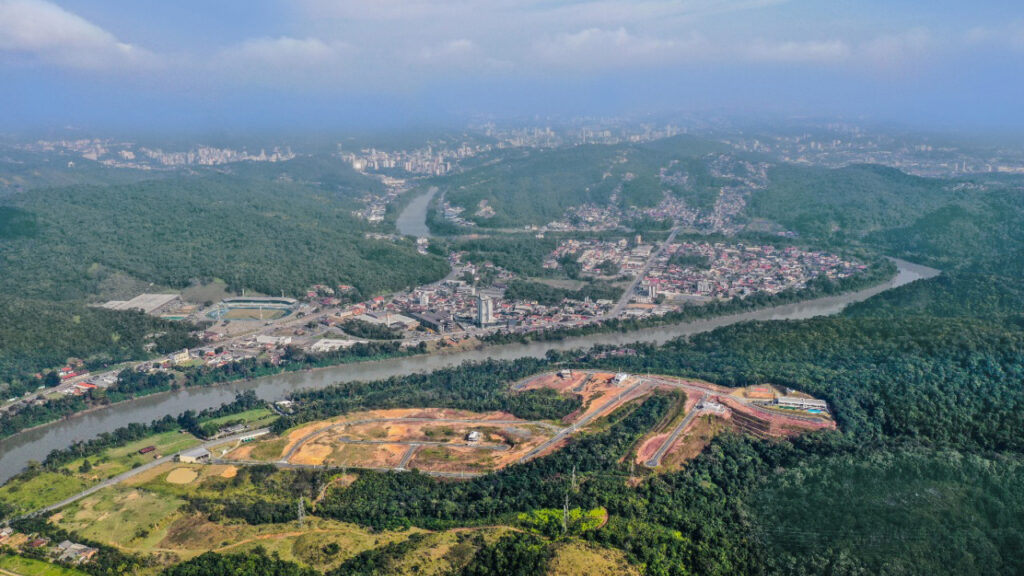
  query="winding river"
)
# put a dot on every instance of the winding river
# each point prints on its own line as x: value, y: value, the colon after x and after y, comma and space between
x: 413, y: 219
x: 35, y: 444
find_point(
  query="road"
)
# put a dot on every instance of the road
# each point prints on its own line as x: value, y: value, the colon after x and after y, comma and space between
x: 655, y: 460
x: 321, y: 467
x: 621, y: 304
x: 565, y: 432
x: 407, y: 456
x: 136, y: 471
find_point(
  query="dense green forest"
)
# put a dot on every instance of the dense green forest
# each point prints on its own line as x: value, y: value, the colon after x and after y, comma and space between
x: 537, y: 187
x: 847, y: 202
x: 534, y: 187
x: 267, y: 236
x: 942, y: 222
x: 39, y: 334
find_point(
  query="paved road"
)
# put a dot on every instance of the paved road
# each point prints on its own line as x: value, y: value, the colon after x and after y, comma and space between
x: 565, y: 432
x: 621, y: 304
x: 407, y: 456
x: 136, y: 471
x: 655, y: 460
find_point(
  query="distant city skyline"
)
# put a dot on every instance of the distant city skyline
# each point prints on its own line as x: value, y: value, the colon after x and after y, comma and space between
x: 318, y: 64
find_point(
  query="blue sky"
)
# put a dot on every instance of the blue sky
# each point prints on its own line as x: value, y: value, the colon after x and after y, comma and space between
x: 310, y: 64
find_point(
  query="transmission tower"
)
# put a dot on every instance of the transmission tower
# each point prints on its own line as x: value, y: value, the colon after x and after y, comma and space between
x: 565, y: 514
x: 302, y: 512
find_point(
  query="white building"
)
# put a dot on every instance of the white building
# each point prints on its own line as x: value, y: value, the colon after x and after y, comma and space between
x: 194, y: 456
x: 484, y: 311
x: 801, y: 403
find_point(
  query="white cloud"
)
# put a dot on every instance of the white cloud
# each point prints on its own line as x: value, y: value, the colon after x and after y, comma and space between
x: 1006, y: 36
x: 283, y: 59
x: 595, y: 48
x: 40, y: 30
x: 460, y: 54
x: 896, y: 50
x: 802, y: 51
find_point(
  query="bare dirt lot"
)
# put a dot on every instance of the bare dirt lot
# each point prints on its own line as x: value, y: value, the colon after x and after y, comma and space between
x: 182, y: 476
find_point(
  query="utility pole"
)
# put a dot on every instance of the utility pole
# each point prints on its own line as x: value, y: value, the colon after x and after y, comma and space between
x: 574, y: 487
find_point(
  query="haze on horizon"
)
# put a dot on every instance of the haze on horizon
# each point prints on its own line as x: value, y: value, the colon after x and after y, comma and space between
x: 312, y: 64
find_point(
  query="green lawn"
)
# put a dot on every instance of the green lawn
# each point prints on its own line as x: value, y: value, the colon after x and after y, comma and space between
x: 114, y: 461
x: 43, y: 489
x: 30, y: 567
x: 255, y: 418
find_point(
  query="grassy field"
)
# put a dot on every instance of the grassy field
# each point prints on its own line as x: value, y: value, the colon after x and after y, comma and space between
x: 122, y: 516
x: 27, y: 494
x: 580, y: 559
x: 30, y: 567
x: 269, y: 449
x: 253, y: 314
x: 114, y: 461
x: 255, y: 418
x: 308, y: 546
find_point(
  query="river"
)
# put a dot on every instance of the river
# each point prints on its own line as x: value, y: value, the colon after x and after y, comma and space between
x: 17, y: 450
x: 413, y: 219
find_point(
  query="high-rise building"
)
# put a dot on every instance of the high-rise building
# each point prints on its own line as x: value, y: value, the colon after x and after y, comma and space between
x: 484, y: 311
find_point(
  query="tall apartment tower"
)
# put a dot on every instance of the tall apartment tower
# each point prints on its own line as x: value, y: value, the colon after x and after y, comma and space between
x: 484, y: 311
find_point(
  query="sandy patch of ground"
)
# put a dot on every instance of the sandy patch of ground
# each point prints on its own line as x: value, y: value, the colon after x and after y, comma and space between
x: 453, y: 459
x: 150, y: 475
x: 368, y: 455
x: 312, y: 453
x: 243, y: 452
x: 649, y: 448
x: 182, y: 476
x: 222, y: 470
x: 299, y: 433
x: 693, y: 440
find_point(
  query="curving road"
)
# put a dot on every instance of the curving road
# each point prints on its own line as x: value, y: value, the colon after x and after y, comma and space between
x: 655, y: 460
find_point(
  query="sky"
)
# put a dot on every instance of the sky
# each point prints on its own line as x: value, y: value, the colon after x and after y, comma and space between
x: 318, y: 64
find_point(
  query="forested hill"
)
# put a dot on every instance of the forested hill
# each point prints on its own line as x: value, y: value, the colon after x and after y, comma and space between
x: 538, y: 186
x: 943, y: 222
x: 267, y: 236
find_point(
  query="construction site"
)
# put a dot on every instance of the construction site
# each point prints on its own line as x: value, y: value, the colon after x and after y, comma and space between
x: 461, y: 444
